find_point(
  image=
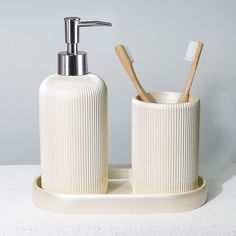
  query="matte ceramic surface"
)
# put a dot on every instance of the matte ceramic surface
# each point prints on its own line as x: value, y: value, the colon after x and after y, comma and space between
x: 165, y: 144
x: 73, y: 134
x: 119, y: 198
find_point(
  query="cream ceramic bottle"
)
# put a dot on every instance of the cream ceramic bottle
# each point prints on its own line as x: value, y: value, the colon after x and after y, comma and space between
x: 73, y: 122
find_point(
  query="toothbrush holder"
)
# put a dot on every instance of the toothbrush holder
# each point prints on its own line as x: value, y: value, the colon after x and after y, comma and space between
x: 165, y: 144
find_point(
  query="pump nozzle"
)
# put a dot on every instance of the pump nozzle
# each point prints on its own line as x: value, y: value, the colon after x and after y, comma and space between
x: 72, y: 25
x: 73, y: 61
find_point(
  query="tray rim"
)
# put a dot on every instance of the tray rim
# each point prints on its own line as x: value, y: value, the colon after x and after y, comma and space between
x: 136, y: 202
x: 109, y: 195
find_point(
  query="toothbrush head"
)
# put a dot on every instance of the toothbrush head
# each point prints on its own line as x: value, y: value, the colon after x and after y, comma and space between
x: 124, y: 55
x: 193, y: 50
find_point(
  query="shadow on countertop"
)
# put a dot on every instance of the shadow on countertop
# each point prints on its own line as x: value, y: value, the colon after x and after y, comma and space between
x: 218, y: 133
x: 216, y: 175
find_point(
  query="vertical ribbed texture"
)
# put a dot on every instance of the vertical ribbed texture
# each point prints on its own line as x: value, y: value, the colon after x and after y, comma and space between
x: 165, y: 145
x: 73, y: 134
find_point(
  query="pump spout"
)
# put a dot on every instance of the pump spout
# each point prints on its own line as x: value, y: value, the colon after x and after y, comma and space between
x: 72, y: 25
x: 94, y: 23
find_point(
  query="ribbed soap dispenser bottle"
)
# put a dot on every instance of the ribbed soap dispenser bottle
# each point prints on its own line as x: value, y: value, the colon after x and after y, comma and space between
x: 73, y: 122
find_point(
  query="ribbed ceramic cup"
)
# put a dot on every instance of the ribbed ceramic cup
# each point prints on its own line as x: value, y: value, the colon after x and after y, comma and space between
x: 165, y: 144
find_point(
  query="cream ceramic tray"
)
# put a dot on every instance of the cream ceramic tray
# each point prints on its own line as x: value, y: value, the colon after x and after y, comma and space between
x: 119, y: 198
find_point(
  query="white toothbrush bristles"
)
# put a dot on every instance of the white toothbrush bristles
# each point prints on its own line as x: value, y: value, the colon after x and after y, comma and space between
x: 191, y: 51
x: 129, y: 54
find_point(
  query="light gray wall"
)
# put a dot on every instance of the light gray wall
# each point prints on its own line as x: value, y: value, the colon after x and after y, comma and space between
x: 156, y: 32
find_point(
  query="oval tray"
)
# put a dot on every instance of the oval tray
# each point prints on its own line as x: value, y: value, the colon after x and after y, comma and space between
x: 119, y: 198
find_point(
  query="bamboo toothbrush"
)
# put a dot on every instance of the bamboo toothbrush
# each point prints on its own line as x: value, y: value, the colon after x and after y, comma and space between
x: 126, y: 62
x: 193, y: 54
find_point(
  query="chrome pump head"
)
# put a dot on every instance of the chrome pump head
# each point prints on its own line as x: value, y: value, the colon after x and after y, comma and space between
x: 73, y: 61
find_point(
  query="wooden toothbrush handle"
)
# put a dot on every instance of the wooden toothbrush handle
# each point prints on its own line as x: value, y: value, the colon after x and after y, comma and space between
x: 141, y: 92
x: 146, y: 97
x: 127, y: 65
x: 184, y: 97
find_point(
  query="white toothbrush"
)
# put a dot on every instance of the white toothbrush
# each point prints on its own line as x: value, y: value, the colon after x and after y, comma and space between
x: 193, y: 54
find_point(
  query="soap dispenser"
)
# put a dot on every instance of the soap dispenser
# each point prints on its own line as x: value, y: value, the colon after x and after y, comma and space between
x: 73, y: 121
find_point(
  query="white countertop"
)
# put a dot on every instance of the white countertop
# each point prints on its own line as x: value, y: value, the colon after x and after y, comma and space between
x: 18, y: 216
